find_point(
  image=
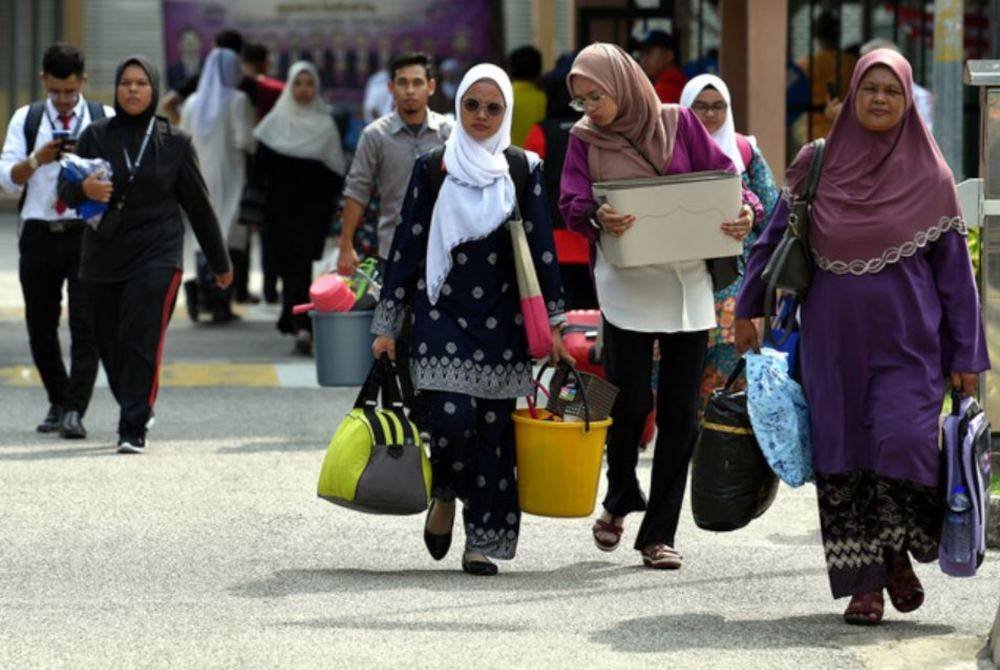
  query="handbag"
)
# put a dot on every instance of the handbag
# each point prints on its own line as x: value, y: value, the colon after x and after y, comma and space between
x: 790, y: 267
x: 376, y: 462
x: 536, y: 317
x: 966, y: 474
x: 731, y: 483
x: 779, y: 415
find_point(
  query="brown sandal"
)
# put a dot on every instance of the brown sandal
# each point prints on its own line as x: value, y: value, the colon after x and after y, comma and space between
x: 866, y: 609
x: 602, y: 526
x: 905, y: 590
x: 661, y: 557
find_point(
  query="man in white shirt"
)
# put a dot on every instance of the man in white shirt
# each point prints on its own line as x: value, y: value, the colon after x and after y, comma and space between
x: 51, y: 234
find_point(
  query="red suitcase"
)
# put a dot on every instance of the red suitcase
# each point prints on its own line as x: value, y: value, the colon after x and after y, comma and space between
x: 580, y: 337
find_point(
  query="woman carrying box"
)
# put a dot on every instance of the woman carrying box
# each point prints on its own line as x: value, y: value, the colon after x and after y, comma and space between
x: 627, y: 133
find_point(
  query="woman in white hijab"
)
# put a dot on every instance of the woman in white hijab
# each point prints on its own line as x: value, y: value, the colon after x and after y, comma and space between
x: 708, y: 97
x: 220, y: 120
x: 299, y: 167
x: 451, y: 267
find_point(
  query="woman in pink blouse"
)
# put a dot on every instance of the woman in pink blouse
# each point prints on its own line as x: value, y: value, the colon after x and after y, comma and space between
x: 627, y: 133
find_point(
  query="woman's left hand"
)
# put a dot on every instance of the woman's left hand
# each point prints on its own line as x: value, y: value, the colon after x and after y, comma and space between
x: 559, y: 350
x: 739, y: 228
x: 965, y: 382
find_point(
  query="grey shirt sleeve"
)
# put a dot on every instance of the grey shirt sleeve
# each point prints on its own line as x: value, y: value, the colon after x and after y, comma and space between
x: 364, y: 167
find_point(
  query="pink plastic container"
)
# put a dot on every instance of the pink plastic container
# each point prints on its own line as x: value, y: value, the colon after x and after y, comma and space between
x: 329, y: 293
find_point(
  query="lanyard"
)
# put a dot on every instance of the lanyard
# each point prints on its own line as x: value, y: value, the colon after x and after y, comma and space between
x: 134, y: 168
x: 76, y: 126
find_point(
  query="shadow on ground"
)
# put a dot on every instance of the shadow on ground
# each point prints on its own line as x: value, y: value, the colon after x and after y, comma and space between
x: 678, y: 632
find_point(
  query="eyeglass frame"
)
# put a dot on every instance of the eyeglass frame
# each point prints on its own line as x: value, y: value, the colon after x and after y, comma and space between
x: 492, y: 109
x: 704, y: 108
x: 581, y: 104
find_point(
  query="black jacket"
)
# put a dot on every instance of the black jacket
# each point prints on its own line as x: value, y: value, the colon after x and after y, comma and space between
x: 152, y: 232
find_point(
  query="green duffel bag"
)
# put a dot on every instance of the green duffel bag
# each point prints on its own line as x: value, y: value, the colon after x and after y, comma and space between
x: 376, y: 462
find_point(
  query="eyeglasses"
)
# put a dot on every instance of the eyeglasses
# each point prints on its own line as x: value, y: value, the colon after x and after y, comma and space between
x: 68, y: 96
x: 592, y: 101
x: 471, y: 105
x: 704, y: 107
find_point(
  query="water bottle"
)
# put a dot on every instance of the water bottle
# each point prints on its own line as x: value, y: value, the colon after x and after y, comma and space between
x: 958, y: 527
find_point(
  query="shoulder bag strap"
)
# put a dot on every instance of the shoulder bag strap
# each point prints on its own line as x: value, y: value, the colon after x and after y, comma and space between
x: 96, y: 110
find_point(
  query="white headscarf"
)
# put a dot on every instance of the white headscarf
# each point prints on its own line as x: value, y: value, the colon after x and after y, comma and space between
x: 477, y: 195
x: 725, y: 136
x: 302, y: 131
x: 216, y: 88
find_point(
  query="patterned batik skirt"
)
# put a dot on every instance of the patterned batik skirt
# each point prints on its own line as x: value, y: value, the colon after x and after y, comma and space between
x: 866, y: 520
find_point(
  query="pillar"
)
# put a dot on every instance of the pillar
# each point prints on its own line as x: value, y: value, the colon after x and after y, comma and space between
x: 753, y: 58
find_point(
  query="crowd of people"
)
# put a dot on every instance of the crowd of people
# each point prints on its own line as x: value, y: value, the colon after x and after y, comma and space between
x: 888, y: 241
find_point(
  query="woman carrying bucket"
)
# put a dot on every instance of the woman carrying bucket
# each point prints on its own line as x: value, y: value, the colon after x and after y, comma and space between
x: 626, y: 133
x: 451, y: 264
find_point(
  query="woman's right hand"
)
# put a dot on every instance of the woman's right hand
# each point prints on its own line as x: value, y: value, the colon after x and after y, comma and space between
x: 384, y: 344
x: 745, y: 336
x: 613, y: 222
x: 96, y: 188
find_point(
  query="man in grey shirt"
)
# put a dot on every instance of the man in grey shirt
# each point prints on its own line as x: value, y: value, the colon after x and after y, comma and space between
x: 387, y: 151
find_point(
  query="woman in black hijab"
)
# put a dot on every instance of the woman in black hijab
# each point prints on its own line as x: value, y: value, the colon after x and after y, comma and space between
x: 132, y: 261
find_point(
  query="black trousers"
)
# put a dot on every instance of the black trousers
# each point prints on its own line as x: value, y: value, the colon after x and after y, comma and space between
x: 47, y: 260
x: 296, y: 278
x: 130, y: 319
x: 628, y: 363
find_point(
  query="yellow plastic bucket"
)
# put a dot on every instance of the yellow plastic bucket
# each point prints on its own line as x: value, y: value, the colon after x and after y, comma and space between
x: 558, y: 464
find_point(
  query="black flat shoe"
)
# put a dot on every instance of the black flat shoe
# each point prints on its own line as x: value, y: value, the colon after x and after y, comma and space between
x: 72, y: 426
x: 479, y: 568
x: 52, y: 421
x: 437, y: 545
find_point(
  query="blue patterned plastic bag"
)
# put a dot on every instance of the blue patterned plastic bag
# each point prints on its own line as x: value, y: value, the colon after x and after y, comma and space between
x: 779, y: 416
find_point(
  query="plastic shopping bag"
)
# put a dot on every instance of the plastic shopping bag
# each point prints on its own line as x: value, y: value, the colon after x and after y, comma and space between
x: 75, y: 170
x: 779, y: 416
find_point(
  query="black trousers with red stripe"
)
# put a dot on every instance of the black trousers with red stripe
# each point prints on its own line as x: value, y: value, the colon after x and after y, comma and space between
x: 130, y: 321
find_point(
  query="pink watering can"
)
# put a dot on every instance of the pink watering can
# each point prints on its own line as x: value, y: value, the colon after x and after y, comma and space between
x: 329, y: 293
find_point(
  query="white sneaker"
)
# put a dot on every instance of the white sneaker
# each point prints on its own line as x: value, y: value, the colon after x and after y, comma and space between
x: 132, y: 446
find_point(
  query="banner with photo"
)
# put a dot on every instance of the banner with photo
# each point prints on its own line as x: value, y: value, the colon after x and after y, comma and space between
x: 347, y: 41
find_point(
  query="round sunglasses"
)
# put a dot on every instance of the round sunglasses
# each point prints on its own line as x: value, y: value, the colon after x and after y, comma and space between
x: 471, y: 105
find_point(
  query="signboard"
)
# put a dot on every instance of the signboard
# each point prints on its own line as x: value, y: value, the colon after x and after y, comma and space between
x: 348, y: 41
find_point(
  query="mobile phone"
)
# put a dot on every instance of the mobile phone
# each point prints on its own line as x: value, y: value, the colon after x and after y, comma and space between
x: 64, y: 136
x: 831, y: 90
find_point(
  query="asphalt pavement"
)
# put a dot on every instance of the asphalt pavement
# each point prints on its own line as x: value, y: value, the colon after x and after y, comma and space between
x: 213, y: 551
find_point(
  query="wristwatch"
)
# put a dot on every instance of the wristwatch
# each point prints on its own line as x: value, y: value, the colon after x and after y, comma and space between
x: 32, y: 161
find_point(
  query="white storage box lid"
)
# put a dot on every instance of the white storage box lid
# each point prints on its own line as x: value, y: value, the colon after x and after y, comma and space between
x: 678, y: 218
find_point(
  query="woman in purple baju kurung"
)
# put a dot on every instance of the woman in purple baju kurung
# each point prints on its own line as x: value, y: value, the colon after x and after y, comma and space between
x: 891, y: 313
x: 628, y: 133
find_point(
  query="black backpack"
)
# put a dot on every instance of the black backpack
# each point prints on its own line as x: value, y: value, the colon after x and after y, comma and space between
x: 34, y: 121
x: 517, y: 160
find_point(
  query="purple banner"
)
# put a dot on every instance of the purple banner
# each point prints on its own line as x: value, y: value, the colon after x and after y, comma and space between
x: 348, y: 41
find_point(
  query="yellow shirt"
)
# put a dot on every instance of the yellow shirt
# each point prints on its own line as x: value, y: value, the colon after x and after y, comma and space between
x: 529, y: 109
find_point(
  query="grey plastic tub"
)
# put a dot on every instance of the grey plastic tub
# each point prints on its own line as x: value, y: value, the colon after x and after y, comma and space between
x: 342, y: 343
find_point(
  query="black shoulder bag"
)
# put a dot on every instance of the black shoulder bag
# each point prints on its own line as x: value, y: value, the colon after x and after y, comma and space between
x: 790, y: 268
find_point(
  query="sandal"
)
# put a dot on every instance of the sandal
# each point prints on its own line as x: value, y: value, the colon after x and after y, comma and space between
x: 905, y: 590
x: 661, y: 557
x: 602, y: 526
x: 866, y: 609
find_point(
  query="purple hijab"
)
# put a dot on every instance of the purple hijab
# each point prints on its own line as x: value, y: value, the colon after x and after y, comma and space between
x: 882, y: 195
